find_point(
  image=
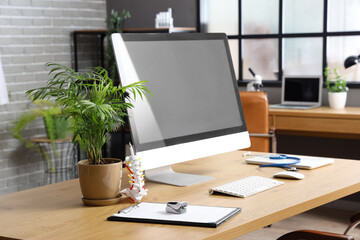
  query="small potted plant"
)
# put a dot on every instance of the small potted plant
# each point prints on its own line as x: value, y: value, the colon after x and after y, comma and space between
x: 56, y: 127
x: 96, y: 107
x: 115, y: 24
x: 337, y: 88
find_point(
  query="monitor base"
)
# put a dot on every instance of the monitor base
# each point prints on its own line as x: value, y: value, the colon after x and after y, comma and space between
x: 168, y: 176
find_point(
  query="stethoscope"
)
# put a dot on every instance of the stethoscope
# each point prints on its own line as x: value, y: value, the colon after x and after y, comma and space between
x: 286, y: 165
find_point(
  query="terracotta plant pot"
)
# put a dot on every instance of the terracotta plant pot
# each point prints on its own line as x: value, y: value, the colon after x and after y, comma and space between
x: 100, y: 184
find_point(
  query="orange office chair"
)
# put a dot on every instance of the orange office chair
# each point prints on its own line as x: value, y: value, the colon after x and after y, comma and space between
x: 317, y: 235
x: 256, y: 111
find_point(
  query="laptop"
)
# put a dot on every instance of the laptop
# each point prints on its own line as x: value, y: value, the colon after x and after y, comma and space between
x: 300, y: 92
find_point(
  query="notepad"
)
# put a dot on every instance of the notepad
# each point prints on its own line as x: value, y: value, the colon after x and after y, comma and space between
x: 201, y: 216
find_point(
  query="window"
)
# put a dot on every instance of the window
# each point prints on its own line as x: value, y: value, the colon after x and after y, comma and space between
x: 276, y: 37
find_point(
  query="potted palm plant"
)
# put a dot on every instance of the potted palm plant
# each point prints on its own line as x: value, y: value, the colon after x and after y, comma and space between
x: 96, y: 107
x: 337, y: 88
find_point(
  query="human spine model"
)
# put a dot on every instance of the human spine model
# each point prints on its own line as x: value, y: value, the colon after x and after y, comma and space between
x: 137, y: 183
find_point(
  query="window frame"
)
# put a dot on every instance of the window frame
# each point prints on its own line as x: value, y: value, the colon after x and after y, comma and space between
x: 280, y: 36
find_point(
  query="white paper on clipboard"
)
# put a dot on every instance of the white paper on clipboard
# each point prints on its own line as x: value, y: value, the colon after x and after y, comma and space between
x: 204, y: 216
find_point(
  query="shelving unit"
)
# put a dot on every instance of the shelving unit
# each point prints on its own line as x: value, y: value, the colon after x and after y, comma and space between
x: 101, y: 33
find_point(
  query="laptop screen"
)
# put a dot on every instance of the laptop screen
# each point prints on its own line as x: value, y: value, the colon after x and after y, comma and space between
x: 301, y: 89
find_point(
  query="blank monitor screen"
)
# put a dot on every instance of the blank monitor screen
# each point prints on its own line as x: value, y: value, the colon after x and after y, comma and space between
x: 301, y: 89
x: 194, y: 87
x: 190, y: 100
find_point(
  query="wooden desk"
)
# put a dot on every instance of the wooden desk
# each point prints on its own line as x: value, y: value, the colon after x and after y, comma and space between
x: 56, y: 211
x: 322, y: 121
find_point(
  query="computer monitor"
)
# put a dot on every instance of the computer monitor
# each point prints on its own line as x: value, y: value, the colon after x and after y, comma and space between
x: 195, y: 111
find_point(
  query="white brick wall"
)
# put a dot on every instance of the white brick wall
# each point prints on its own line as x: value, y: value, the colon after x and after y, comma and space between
x: 33, y: 32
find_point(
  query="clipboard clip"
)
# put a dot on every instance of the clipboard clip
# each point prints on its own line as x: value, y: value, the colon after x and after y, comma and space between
x: 129, y: 209
x: 176, y: 207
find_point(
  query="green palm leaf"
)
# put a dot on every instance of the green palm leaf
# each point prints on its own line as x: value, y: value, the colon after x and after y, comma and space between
x: 95, y: 105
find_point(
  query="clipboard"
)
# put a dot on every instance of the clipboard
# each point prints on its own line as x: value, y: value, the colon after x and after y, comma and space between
x: 200, y: 216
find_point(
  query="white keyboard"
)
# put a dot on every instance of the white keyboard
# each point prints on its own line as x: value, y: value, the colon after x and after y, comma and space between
x: 247, y: 186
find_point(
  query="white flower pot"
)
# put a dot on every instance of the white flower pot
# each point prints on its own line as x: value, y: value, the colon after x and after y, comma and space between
x: 337, y: 99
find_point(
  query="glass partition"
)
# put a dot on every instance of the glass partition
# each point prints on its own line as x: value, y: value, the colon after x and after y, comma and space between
x: 220, y: 16
x: 314, y: 34
x: 234, y: 50
x: 343, y: 15
x: 303, y: 56
x: 261, y: 55
x: 305, y: 16
x: 260, y: 16
x: 338, y: 49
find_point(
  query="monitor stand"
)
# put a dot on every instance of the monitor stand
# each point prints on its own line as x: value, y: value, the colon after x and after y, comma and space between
x: 168, y: 176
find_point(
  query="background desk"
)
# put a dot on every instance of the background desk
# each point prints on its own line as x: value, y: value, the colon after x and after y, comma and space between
x: 322, y: 122
x: 56, y: 211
